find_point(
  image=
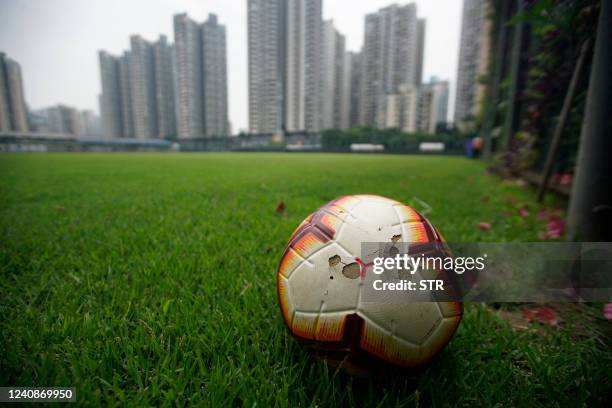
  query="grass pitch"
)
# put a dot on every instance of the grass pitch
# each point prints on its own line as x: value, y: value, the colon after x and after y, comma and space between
x: 150, y: 279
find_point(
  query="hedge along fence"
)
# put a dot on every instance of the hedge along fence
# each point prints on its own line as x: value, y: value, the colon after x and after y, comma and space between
x: 555, y: 32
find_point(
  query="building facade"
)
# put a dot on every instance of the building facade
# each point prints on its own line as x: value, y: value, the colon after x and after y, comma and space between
x: 332, y: 78
x: 266, y: 59
x: 339, y: 110
x: 473, y: 59
x: 13, y: 111
x: 164, y: 88
x: 401, y: 109
x: 66, y: 120
x: 439, y: 104
x: 389, y: 59
x: 110, y: 99
x: 345, y: 91
x: 418, y: 108
x: 214, y: 71
x: 420, y: 53
x: 355, y: 91
x: 328, y: 69
x: 142, y: 81
x: 200, y: 68
x: 125, y: 96
x: 303, y: 65
x: 188, y: 49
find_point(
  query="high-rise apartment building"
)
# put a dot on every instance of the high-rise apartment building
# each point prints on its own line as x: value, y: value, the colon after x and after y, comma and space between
x: 201, y: 77
x: 66, y: 120
x: 159, y: 90
x: 91, y: 124
x: 390, y: 59
x: 439, y: 104
x: 345, y: 91
x: 303, y: 65
x: 142, y: 81
x: 473, y: 58
x: 328, y: 69
x: 432, y: 105
x: 5, y: 107
x: 110, y: 99
x: 332, y: 77
x: 420, y: 53
x: 339, y: 83
x: 214, y: 71
x: 188, y: 49
x: 418, y: 108
x: 402, y: 109
x: 295, y: 66
x: 266, y: 27
x: 355, y: 88
x: 125, y: 96
x: 164, y: 88
x: 13, y: 111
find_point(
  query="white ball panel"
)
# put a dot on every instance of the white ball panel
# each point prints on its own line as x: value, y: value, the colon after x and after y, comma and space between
x: 320, y: 287
x: 412, y: 322
x: 374, y: 214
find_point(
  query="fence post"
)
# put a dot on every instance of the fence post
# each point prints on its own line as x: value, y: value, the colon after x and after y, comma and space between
x: 590, y: 209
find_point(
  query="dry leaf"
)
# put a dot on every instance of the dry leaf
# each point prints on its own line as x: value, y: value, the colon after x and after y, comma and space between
x: 485, y: 226
x: 555, y: 228
x: 607, y: 311
x: 542, y: 314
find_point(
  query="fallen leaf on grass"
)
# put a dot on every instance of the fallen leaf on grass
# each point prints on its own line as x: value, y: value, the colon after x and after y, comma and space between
x: 607, y: 311
x: 555, y: 228
x: 280, y: 208
x: 555, y: 223
x: 485, y: 226
x: 542, y: 314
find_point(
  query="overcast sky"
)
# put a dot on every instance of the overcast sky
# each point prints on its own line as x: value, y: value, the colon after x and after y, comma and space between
x: 56, y: 41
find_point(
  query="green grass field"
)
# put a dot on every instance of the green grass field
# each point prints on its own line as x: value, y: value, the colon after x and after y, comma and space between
x: 150, y: 279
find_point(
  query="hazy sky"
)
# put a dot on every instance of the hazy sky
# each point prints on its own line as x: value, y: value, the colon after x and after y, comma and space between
x: 56, y: 41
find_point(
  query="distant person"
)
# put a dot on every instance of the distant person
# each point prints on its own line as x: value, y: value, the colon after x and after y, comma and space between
x: 476, y: 147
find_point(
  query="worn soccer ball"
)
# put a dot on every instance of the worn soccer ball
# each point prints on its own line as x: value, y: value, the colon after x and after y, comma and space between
x: 321, y: 283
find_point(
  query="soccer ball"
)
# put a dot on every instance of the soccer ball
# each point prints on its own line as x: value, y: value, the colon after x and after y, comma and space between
x: 321, y: 280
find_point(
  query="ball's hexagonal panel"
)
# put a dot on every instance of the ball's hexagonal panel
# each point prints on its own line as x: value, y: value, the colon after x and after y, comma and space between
x: 424, y: 318
x: 320, y: 285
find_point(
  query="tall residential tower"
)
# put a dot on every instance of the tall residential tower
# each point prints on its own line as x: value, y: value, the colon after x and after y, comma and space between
x: 303, y: 65
x: 164, y: 88
x: 214, y: 71
x: 13, y: 112
x: 473, y: 58
x: 142, y: 81
x: 110, y: 99
x: 201, y: 77
x: 390, y: 54
x: 266, y: 27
